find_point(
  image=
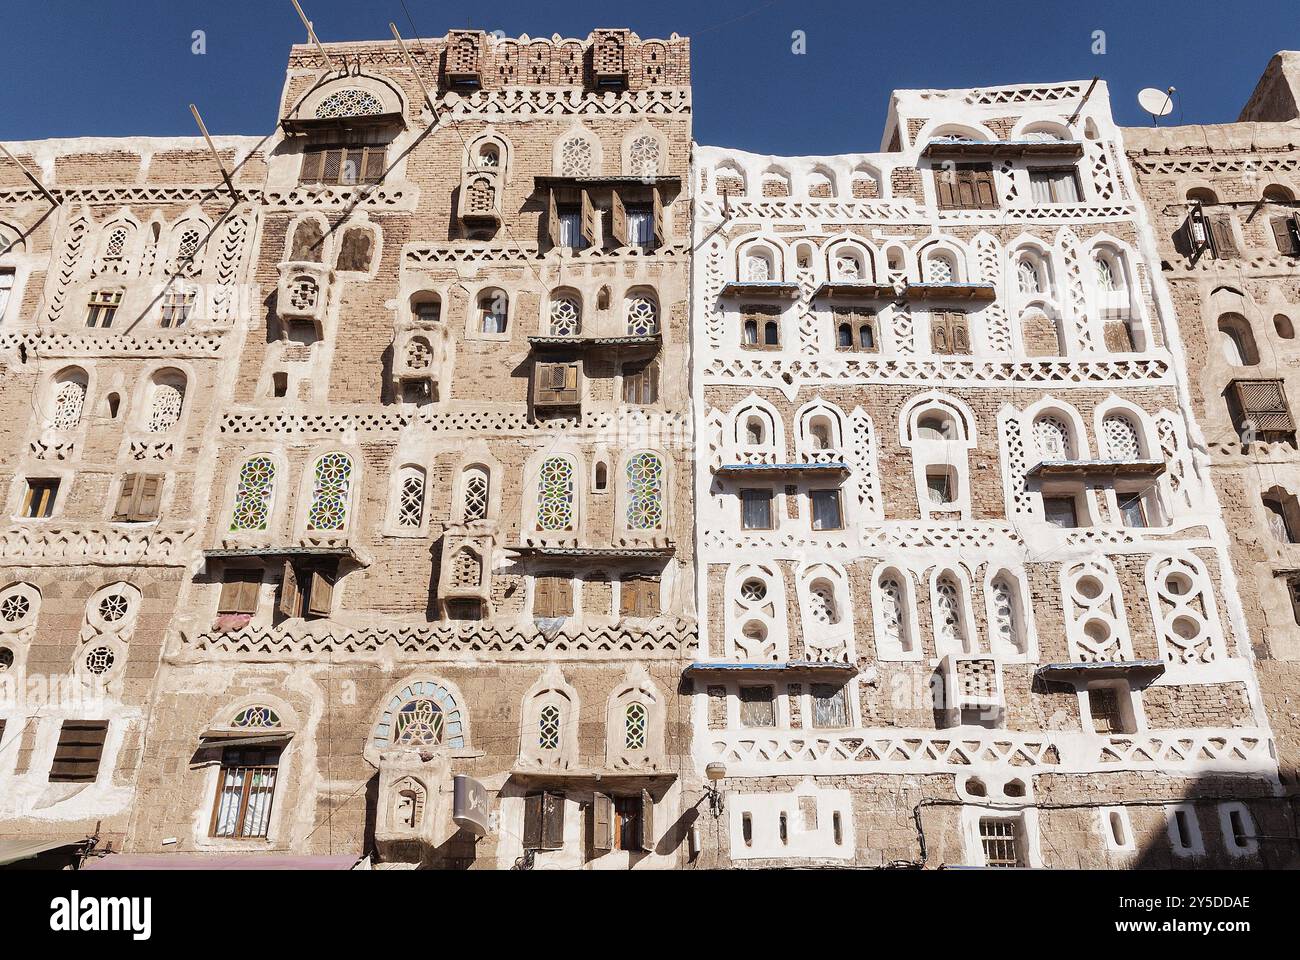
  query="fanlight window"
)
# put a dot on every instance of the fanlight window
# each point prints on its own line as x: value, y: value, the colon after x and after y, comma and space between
x: 418, y: 723
x: 1030, y: 280
x: 116, y: 245
x: 329, y: 502
x: 253, y: 495
x: 1122, y: 441
x: 555, y: 495
x: 351, y: 102
x: 758, y: 267
x: 821, y: 603
x: 255, y: 717
x: 634, y: 726
x: 1052, y: 437
x: 645, y: 505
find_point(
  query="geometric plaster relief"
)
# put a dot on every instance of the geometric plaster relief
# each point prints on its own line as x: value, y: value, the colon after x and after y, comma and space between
x: 1094, y: 610
x: 99, y: 544
x: 1182, y: 605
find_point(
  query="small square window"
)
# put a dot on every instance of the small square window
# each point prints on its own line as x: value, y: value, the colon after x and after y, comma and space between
x: 177, y: 305
x: 757, y: 707
x: 1132, y: 509
x: 1107, y: 708
x: 826, y: 514
x: 938, y: 485
x: 1054, y: 186
x: 830, y: 705
x: 38, y: 502
x: 1061, y: 511
x: 1002, y: 842
x: 756, y: 512
x: 103, y: 308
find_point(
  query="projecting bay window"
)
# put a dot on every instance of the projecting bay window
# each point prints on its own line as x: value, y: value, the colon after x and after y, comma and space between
x: 556, y: 385
x: 1261, y: 410
x: 245, y: 791
x: 1054, y: 185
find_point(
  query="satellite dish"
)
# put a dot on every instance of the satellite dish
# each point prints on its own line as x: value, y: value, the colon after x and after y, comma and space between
x: 1156, y: 102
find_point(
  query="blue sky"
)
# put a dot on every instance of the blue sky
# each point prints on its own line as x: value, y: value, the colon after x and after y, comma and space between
x: 114, y: 69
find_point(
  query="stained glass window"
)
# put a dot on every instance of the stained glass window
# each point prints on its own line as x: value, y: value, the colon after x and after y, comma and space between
x: 329, y: 501
x: 419, y: 723
x: 555, y: 495
x: 257, y: 716
x: 548, y: 729
x: 253, y: 495
x: 642, y: 317
x: 635, y: 726
x: 645, y: 507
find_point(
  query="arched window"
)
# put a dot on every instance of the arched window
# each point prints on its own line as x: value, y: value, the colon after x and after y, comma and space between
x: 69, y: 399
x: 166, y: 401
x: 643, y: 156
x: 642, y: 316
x: 760, y: 266
x: 1052, y: 438
x: 936, y: 425
x: 474, y: 493
x: 253, y: 494
x: 1109, y: 269
x: 493, y: 311
x: 555, y: 495
x: 410, y: 498
x: 940, y: 268
x: 755, y: 430
x: 1006, y: 624
x: 645, y: 504
x: 115, y: 244
x: 548, y: 728
x: 426, y: 307
x: 1282, y: 324
x: 1202, y: 195
x: 355, y: 250
x: 1027, y: 276
x: 188, y: 245
x: 255, y: 717
x: 418, y: 723
x: 1238, y: 340
x: 349, y: 102
x: 821, y: 603
x: 635, y: 720
x: 329, y: 501
x: 821, y: 433
x: 895, y: 616
x: 566, y: 315
x: 1122, y: 441
x: 308, y: 242
x: 576, y: 157
x: 949, y: 624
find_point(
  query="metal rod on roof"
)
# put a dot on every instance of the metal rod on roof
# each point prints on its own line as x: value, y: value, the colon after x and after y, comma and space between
x: 215, y: 156
x: 428, y: 97
x: 54, y: 201
x: 1079, y: 109
x: 311, y: 34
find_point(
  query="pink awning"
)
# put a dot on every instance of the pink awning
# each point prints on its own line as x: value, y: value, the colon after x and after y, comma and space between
x: 221, y: 861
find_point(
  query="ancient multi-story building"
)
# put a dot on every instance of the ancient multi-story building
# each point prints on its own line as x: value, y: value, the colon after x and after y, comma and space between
x: 364, y: 480
x: 439, y: 522
x: 122, y: 316
x: 963, y: 583
x: 1222, y: 202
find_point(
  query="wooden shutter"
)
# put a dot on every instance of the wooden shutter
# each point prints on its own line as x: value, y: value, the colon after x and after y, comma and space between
x: 588, y: 218
x: 618, y: 219
x: 1222, y: 241
x: 945, y: 188
x: 557, y: 384
x: 1284, y: 236
x: 543, y: 597
x: 628, y: 597
x: 958, y: 333
x: 562, y: 594
x: 320, y: 597
x: 602, y: 824
x: 290, y: 592
x: 647, y: 597
x: 533, y: 821
x: 986, y: 197
x: 372, y: 168
x: 552, y: 821
x: 148, y: 497
x: 647, y: 821
x: 126, y: 497
x: 939, y: 341
x: 77, y: 756
x: 658, y: 217
x: 239, y: 592
x: 312, y: 163
x: 650, y: 382
x: 552, y: 218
